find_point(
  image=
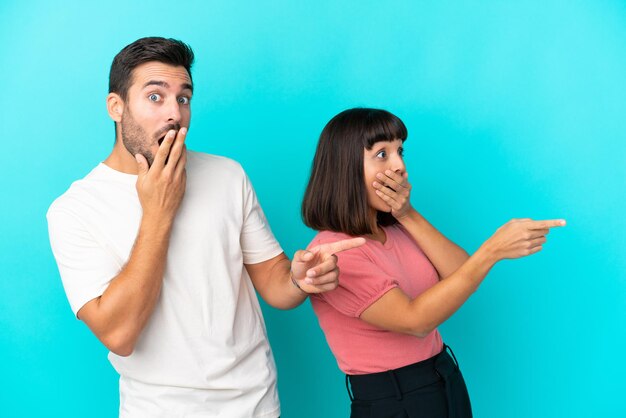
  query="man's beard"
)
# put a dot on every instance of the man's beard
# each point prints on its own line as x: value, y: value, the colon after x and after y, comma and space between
x: 137, y: 141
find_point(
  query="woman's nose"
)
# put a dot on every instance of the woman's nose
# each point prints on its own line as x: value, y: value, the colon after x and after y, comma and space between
x: 397, y: 165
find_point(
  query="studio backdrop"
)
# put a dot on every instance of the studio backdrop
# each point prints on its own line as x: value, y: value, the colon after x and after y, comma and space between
x: 514, y: 109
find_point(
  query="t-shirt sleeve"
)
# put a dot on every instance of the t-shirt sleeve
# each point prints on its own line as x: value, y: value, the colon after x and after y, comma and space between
x: 258, y: 243
x: 86, y: 268
x: 361, y: 283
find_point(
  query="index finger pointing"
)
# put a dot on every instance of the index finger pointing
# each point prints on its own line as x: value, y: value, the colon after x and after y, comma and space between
x: 547, y: 224
x: 343, y: 245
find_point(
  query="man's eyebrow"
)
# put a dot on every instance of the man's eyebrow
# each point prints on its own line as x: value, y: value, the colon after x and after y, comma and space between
x: 156, y: 83
x: 166, y: 85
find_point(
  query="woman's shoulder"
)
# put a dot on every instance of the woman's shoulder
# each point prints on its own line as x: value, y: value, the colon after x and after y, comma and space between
x: 326, y: 237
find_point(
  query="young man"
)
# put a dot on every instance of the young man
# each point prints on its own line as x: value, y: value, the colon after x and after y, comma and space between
x: 161, y: 249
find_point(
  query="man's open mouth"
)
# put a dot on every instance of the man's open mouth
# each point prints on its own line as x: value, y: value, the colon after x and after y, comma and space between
x: 174, y: 128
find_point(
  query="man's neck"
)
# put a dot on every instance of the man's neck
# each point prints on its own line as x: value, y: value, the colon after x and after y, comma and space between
x: 121, y: 160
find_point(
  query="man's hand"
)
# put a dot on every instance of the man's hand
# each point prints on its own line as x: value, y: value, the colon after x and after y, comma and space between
x: 315, y: 270
x: 161, y: 187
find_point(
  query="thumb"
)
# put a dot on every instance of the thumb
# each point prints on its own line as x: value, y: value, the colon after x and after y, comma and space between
x: 142, y: 164
x: 303, y: 256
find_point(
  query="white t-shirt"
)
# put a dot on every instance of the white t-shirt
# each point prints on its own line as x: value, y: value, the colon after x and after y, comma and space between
x: 204, y: 351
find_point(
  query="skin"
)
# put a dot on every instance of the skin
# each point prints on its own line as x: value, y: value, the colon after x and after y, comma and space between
x: 159, y: 103
x: 389, y: 191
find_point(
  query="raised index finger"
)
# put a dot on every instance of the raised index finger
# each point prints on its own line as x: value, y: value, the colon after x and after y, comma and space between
x: 343, y: 245
x: 547, y: 224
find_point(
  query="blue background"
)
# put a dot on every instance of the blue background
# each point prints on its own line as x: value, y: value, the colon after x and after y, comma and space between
x: 514, y: 109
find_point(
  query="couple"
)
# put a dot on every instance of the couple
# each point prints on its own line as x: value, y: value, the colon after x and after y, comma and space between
x: 161, y: 251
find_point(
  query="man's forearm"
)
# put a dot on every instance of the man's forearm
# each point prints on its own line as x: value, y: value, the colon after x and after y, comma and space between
x: 285, y: 284
x: 281, y: 292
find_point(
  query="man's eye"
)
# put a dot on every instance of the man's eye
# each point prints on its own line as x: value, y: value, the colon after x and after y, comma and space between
x: 183, y: 100
x: 154, y: 97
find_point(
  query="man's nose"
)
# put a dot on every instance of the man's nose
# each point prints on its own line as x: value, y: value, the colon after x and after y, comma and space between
x: 173, y: 112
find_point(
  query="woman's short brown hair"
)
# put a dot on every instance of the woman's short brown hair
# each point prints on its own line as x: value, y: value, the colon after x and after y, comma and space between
x: 336, y: 197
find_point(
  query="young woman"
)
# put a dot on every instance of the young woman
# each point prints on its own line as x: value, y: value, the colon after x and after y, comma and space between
x: 407, y: 279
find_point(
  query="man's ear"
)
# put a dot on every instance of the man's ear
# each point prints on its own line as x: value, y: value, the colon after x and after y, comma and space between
x: 115, y: 106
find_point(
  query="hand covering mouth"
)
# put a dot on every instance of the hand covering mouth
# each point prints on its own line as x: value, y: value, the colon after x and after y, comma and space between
x: 166, y: 131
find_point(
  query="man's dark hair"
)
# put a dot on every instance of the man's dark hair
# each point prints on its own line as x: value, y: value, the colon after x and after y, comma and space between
x: 167, y: 51
x: 336, y: 195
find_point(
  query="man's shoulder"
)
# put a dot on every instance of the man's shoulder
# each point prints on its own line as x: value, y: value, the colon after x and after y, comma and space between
x: 80, y: 191
x: 202, y: 164
x: 212, y: 161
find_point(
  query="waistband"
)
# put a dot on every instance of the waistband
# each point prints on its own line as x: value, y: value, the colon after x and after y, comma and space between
x: 397, y: 382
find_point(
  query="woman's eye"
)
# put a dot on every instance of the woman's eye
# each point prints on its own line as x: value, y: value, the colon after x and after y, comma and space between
x: 401, y: 152
x: 154, y: 97
x: 183, y: 100
x: 381, y: 154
